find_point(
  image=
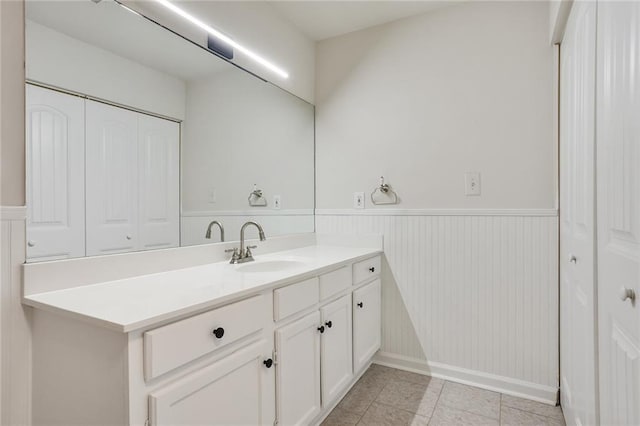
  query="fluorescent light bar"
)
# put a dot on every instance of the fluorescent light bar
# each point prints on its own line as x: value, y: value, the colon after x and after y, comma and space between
x: 259, y: 59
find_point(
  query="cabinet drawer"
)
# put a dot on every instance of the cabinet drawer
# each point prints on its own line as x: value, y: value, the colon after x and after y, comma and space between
x: 294, y: 298
x: 334, y: 282
x: 366, y: 269
x: 176, y: 344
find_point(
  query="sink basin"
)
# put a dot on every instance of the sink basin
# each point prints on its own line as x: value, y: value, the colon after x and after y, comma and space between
x: 269, y: 266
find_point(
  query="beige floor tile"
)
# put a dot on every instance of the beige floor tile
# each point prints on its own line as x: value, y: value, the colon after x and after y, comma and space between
x: 341, y: 417
x: 532, y: 407
x: 473, y: 400
x: 413, y: 397
x: 385, y: 415
x: 417, y: 378
x: 447, y: 416
x: 514, y: 417
x: 361, y: 395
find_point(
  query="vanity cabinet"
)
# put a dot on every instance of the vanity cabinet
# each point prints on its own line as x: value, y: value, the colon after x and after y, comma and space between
x: 336, y: 363
x: 298, y: 370
x: 367, y: 323
x: 278, y: 355
x: 237, y: 390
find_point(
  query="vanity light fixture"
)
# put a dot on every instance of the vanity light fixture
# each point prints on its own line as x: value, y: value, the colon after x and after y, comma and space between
x: 195, y: 21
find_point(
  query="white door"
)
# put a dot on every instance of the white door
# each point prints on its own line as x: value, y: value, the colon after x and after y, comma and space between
x: 336, y: 361
x: 111, y: 179
x: 298, y: 371
x: 159, y: 182
x: 577, y: 222
x: 618, y: 195
x: 55, y: 174
x: 237, y: 390
x: 367, y: 326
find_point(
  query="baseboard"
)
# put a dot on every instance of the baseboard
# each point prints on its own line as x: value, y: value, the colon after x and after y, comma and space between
x: 506, y: 385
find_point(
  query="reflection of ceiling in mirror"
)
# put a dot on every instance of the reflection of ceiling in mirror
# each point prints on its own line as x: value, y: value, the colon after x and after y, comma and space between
x: 111, y: 27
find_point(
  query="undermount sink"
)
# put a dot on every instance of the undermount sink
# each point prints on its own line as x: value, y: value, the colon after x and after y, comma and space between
x: 269, y: 266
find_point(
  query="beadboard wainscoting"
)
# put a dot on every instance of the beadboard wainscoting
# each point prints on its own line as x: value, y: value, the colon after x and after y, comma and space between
x: 468, y: 295
x: 15, y: 341
x: 274, y: 222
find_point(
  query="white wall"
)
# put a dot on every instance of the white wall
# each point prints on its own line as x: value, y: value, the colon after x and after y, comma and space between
x: 62, y: 61
x: 470, y: 284
x: 256, y: 25
x: 12, y: 189
x: 425, y: 99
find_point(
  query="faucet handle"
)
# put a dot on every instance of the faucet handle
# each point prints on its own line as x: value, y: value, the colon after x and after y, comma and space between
x: 248, y: 251
x: 252, y: 247
x: 234, y: 256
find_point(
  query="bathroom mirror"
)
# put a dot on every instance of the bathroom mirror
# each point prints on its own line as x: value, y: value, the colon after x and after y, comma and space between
x: 138, y: 138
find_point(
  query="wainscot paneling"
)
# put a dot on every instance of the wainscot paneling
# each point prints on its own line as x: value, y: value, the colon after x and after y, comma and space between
x: 15, y: 337
x: 469, y: 295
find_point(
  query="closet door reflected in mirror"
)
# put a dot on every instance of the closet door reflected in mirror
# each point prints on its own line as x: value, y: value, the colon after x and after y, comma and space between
x: 139, y: 138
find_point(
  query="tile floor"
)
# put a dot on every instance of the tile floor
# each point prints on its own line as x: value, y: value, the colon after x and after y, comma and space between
x: 386, y: 396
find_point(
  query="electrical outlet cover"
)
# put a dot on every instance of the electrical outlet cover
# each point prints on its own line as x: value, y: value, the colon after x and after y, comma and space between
x: 358, y: 200
x: 276, y: 202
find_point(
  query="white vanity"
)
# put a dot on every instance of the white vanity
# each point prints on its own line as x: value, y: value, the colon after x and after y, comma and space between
x: 275, y: 341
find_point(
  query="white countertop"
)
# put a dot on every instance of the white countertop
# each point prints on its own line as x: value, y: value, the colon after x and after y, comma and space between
x: 133, y: 303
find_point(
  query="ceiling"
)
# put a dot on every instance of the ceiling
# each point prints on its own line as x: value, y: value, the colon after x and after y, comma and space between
x: 320, y: 20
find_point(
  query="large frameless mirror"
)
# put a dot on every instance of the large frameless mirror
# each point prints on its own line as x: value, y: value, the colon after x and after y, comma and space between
x: 139, y: 139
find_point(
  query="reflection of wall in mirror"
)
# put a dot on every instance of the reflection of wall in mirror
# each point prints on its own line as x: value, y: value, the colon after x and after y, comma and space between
x: 241, y: 131
x: 66, y: 62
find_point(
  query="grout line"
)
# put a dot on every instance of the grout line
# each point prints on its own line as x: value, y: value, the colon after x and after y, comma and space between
x: 437, y: 402
x: 531, y: 412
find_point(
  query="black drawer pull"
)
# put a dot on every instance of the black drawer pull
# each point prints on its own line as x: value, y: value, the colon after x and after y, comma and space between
x: 218, y: 332
x: 361, y: 305
x: 372, y: 269
x: 268, y: 362
x: 321, y: 329
x: 328, y: 324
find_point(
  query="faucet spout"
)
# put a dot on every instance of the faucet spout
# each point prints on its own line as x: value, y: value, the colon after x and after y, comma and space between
x: 208, y: 234
x: 245, y: 254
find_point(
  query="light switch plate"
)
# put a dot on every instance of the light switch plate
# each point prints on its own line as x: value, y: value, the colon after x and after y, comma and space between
x: 472, y: 183
x: 358, y: 200
x: 276, y: 202
x: 211, y: 195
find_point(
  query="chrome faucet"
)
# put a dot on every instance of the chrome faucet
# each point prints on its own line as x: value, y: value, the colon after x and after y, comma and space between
x: 208, y: 234
x: 245, y: 254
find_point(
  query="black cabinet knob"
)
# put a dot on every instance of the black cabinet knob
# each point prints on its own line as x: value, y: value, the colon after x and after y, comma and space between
x: 372, y: 269
x: 321, y: 329
x: 328, y: 324
x: 360, y: 305
x: 218, y: 332
x: 268, y: 362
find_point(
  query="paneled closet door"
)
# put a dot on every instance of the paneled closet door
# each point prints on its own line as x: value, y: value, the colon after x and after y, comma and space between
x: 577, y: 225
x: 618, y: 195
x: 159, y: 182
x: 112, y: 179
x: 55, y: 174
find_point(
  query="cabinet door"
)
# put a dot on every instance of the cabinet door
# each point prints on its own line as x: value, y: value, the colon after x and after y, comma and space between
x: 298, y: 371
x: 366, y: 323
x: 158, y: 176
x: 111, y: 179
x: 337, y: 367
x: 55, y: 174
x: 237, y: 390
